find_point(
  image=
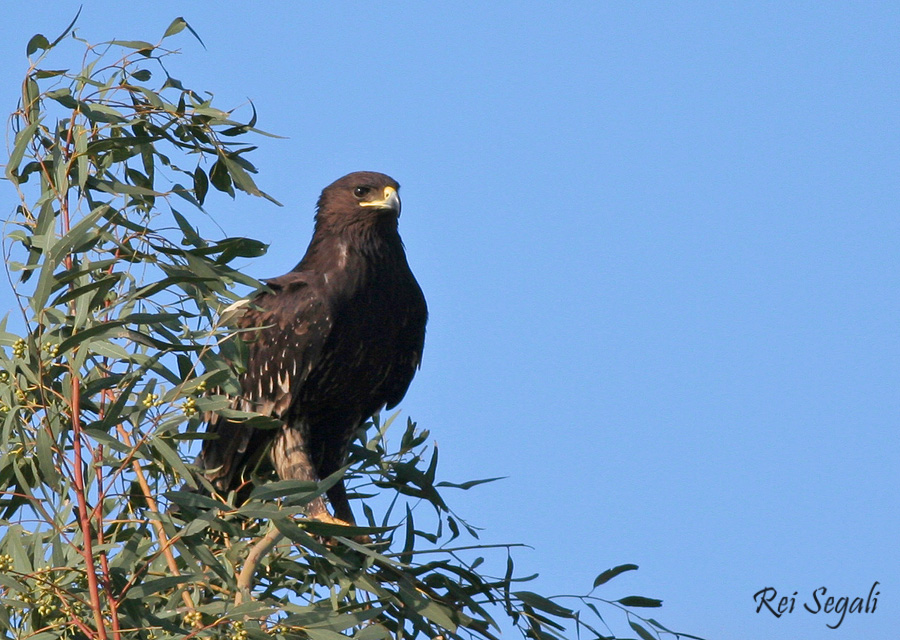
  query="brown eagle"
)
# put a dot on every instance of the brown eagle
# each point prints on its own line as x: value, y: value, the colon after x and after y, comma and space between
x: 329, y: 344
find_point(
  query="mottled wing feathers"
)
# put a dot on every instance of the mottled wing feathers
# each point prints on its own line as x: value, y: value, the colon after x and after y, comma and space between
x: 285, y: 329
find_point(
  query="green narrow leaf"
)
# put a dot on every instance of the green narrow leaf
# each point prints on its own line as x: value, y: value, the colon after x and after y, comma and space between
x: 44, y: 228
x: 38, y: 41
x: 45, y: 458
x: 81, y: 162
x: 190, y: 234
x: 201, y: 184
x: 98, y: 112
x: 205, y: 556
x: 40, y: 74
x: 31, y: 100
x: 639, y: 601
x: 219, y: 177
x: 323, y: 634
x: 191, y: 499
x: 427, y: 607
x: 661, y: 627
x: 64, y: 97
x: 139, y: 45
x: 196, y: 35
x: 175, y: 83
x: 468, y: 485
x: 198, y: 524
x: 105, y: 439
x: 115, y: 187
x: 21, y: 144
x: 439, y: 615
x: 543, y: 604
x: 11, y: 583
x: 283, y: 488
x: 155, y: 586
x: 114, y: 412
x: 83, y: 336
x: 641, y: 631
x: 60, y: 169
x: 177, y: 26
x: 152, y: 98
x: 507, y: 580
x: 432, y: 466
x: 609, y: 574
x: 241, y: 178
x: 167, y: 453
x: 240, y: 248
x: 409, y: 543
x: 67, y: 29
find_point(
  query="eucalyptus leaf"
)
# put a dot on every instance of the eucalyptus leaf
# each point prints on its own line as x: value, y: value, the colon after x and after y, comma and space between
x: 154, y: 586
x: 641, y: 631
x: 177, y: 25
x: 639, y: 601
x: 37, y: 41
x: 22, y: 140
x: 609, y: 574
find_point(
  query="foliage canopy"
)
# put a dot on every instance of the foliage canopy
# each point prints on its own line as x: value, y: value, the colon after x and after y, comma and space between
x: 123, y: 350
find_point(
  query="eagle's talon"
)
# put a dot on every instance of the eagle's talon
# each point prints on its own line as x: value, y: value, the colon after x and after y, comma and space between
x: 327, y: 518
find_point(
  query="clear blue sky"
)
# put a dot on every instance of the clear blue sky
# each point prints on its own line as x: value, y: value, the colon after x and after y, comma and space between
x: 661, y: 248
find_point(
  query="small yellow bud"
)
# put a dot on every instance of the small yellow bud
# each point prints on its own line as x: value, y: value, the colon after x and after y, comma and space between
x: 189, y: 407
x: 193, y: 618
x: 151, y: 400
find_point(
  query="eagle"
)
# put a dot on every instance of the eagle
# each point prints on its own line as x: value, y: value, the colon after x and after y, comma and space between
x: 328, y: 344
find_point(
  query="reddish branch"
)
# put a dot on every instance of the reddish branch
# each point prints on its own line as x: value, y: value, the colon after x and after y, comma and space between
x: 87, y: 549
x: 104, y: 562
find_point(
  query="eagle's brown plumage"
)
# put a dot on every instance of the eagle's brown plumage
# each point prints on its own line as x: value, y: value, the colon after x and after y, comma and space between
x: 335, y: 339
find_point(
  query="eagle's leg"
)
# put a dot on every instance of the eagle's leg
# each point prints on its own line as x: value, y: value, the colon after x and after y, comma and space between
x: 337, y: 496
x: 291, y: 460
x: 330, y: 455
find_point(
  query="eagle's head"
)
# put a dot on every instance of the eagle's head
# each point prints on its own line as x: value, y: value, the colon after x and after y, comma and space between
x: 362, y: 198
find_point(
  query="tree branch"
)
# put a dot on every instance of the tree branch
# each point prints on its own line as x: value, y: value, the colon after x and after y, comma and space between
x: 257, y: 553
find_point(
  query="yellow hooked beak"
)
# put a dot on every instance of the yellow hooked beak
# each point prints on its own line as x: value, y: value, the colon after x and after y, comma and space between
x: 390, y: 201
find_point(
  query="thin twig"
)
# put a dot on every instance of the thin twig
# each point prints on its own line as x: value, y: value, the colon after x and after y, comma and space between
x: 161, y: 535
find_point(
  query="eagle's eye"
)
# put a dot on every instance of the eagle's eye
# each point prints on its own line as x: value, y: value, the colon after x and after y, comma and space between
x: 361, y: 192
